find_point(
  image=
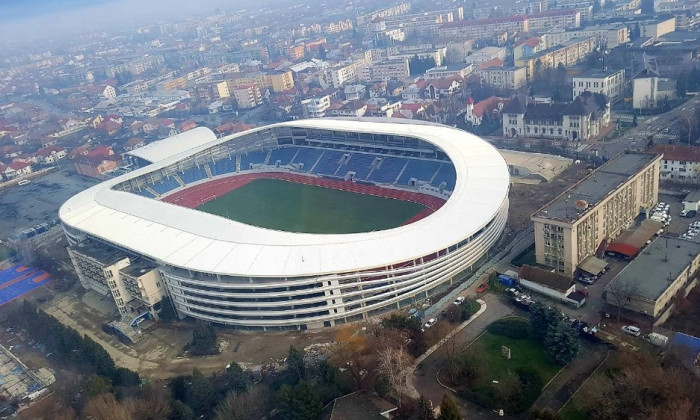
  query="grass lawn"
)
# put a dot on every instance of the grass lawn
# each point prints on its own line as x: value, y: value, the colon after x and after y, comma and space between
x: 5, y: 252
x: 288, y: 206
x: 571, y: 412
x: 525, y: 353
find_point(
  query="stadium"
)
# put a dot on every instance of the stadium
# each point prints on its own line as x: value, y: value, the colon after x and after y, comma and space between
x: 301, y: 224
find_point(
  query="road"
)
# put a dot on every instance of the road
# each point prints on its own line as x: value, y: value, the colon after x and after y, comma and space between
x: 636, y: 138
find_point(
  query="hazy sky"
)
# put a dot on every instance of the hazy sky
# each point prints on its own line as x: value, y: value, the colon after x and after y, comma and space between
x: 27, y: 20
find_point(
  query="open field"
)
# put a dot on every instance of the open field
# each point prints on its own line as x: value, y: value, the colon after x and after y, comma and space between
x: 525, y: 353
x: 293, y: 207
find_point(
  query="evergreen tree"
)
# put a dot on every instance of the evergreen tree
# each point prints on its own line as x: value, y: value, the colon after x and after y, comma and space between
x: 300, y: 402
x: 95, y: 385
x: 236, y: 378
x: 541, y: 318
x: 167, y: 311
x: 449, y: 409
x: 201, y: 394
x: 561, y: 345
x: 203, y: 339
x: 295, y: 363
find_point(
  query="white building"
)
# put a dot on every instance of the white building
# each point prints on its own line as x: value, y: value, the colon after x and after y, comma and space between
x: 462, y: 70
x: 315, y: 107
x: 485, y: 54
x: 680, y: 163
x: 505, y: 78
x: 656, y: 29
x: 385, y: 71
x: 609, y: 83
x: 650, y: 91
x: 355, y: 92
x: 247, y: 97
x: 607, y: 36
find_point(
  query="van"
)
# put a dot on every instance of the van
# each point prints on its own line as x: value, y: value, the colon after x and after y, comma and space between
x: 657, y: 339
x: 632, y: 330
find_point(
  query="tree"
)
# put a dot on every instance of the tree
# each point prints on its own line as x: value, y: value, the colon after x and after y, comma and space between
x: 300, y: 402
x: 295, y: 363
x: 106, y: 407
x: 96, y: 385
x: 203, y: 340
x: 392, y: 362
x: 236, y: 378
x: 352, y: 352
x: 201, y: 394
x: 180, y: 411
x: 424, y: 411
x: 250, y: 405
x: 470, y: 366
x: 620, y: 292
x: 561, y: 344
x: 541, y: 318
x: 449, y: 409
x: 167, y: 311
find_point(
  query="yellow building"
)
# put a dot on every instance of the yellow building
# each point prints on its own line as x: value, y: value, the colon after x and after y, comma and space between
x: 571, y: 227
x: 276, y: 81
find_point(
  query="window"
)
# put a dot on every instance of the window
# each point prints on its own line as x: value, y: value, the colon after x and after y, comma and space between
x: 109, y: 274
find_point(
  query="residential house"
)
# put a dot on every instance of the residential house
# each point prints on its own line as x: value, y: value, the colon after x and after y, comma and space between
x: 133, y: 143
x: 578, y: 120
x: 442, y: 88
x: 412, y: 92
x: 680, y: 163
x: 412, y: 110
x: 527, y: 47
x: 187, y: 125
x: 15, y: 170
x: 504, y: 78
x: 489, y: 108
x: 377, y: 90
x: 354, y: 92
x: 51, y: 154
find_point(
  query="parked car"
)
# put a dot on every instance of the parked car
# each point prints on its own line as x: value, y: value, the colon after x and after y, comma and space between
x: 684, y: 213
x: 631, y: 329
x: 587, y: 279
x: 430, y: 323
x: 657, y: 339
x: 691, y: 214
x: 459, y: 300
x: 482, y: 288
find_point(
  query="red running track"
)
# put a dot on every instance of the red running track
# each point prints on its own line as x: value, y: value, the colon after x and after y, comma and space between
x: 196, y: 196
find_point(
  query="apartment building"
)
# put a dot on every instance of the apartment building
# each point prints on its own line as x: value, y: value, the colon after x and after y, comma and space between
x: 567, y: 54
x: 137, y: 66
x: 173, y: 84
x: 275, y: 81
x: 484, y: 28
x: 342, y: 74
x: 505, y: 78
x: 573, y: 226
x: 399, y: 9
x: 385, y: 71
x: 655, y: 29
x: 680, y: 163
x: 607, y: 36
x: 462, y: 70
x: 609, y: 83
x: 247, y: 96
x: 135, y: 285
x: 486, y: 54
x: 567, y: 18
x: 315, y: 107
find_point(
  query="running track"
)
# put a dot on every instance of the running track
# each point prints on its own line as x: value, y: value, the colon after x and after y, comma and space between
x: 197, y: 195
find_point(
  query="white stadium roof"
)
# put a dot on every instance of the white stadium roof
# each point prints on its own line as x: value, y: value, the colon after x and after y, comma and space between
x: 171, y: 146
x: 190, y: 239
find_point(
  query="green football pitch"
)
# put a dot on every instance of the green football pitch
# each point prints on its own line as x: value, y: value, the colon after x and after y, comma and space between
x: 292, y: 207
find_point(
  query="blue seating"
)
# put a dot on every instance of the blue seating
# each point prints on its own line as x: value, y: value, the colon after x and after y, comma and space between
x: 419, y: 169
x: 144, y: 193
x: 193, y: 175
x: 223, y: 166
x: 388, y: 171
x: 167, y: 184
x: 329, y: 163
x: 308, y: 157
x: 447, y: 174
x: 252, y: 157
x: 284, y: 155
x: 360, y: 164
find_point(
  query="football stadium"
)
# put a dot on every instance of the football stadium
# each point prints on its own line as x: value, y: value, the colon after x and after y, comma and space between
x: 296, y: 225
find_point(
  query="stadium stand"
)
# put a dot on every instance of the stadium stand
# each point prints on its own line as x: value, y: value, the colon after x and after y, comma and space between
x: 164, y: 186
x: 420, y: 169
x: 252, y: 157
x: 330, y: 162
x: 388, y: 170
x: 360, y: 164
x: 307, y: 157
x: 223, y: 167
x: 446, y: 174
x: 193, y: 175
x: 284, y: 155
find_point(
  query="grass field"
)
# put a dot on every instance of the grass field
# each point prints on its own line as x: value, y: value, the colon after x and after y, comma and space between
x: 292, y: 207
x: 525, y: 353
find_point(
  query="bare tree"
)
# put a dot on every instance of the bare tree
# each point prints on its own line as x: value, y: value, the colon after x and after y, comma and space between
x: 620, y: 293
x: 106, y: 407
x: 249, y: 405
x: 393, y: 363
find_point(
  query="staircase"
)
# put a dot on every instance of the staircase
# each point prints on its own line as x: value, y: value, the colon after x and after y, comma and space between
x: 316, y: 163
x: 267, y: 158
x: 207, y: 169
x: 435, y: 175
x: 238, y: 163
x: 179, y: 180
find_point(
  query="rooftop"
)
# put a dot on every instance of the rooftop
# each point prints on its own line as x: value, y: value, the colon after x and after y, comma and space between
x: 658, y: 265
x: 138, y: 268
x: 595, y: 187
x: 678, y: 152
x: 105, y: 256
x: 598, y: 73
x: 546, y: 278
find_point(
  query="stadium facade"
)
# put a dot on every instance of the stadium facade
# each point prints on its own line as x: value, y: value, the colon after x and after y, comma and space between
x: 227, y: 272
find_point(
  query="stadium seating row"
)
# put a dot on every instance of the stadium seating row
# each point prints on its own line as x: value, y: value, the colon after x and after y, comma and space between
x: 370, y: 167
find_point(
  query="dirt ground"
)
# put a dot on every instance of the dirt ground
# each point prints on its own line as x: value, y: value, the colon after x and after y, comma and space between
x: 525, y: 199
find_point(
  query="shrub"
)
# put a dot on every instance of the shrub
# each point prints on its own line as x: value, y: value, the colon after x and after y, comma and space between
x: 514, y: 328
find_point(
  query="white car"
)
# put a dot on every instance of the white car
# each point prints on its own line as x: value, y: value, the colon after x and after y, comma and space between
x: 430, y: 323
x: 459, y: 300
x: 695, y: 225
x: 630, y: 329
x: 684, y: 213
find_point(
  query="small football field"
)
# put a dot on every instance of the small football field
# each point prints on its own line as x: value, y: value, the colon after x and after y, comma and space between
x: 292, y: 207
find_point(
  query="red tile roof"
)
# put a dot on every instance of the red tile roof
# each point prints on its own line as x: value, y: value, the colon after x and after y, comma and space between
x: 678, y: 152
x: 494, y: 62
